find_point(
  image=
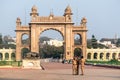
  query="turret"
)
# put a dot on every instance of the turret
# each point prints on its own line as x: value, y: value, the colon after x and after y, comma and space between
x: 34, y: 12
x: 68, y: 13
x: 83, y: 21
x: 18, y: 22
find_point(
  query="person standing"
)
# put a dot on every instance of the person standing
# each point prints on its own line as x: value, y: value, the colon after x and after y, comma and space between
x: 75, y: 66
x: 82, y: 62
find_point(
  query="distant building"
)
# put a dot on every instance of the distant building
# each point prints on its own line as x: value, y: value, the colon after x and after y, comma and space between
x: 12, y: 43
x: 108, y: 42
x: 54, y: 42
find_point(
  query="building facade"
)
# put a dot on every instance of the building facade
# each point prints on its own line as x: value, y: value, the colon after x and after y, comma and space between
x: 103, y: 54
x: 92, y: 54
x: 7, y: 54
x: 54, y: 42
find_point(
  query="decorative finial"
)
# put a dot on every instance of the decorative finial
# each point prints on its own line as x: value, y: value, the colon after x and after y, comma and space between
x: 51, y: 13
x: 83, y: 21
x: 18, y: 21
x: 34, y: 11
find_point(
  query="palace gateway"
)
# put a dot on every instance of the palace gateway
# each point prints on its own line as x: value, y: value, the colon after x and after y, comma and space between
x: 62, y: 24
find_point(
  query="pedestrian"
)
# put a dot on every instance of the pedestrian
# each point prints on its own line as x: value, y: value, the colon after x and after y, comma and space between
x: 75, y: 66
x: 82, y: 63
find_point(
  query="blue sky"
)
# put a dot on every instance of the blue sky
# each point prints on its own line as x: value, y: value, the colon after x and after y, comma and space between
x: 103, y: 16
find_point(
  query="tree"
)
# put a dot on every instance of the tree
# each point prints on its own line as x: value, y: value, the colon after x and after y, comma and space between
x: 94, y: 42
x: 118, y: 43
x: 24, y: 52
x: 1, y: 39
x: 48, y: 51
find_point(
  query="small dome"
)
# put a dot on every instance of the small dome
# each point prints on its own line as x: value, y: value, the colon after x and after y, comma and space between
x: 18, y: 19
x: 34, y: 9
x: 84, y: 20
x: 68, y: 9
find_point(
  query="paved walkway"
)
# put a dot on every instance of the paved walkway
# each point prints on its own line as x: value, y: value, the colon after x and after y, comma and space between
x: 59, y: 71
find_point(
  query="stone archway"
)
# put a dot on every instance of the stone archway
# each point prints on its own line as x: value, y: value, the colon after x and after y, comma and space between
x: 63, y: 24
x: 51, y: 46
x: 78, y: 52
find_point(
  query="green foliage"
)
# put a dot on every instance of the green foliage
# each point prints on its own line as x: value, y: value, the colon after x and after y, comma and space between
x: 24, y: 52
x: 94, y: 42
x: 111, y: 62
x: 48, y: 51
x: 10, y: 63
x: 7, y: 46
x: 77, y: 52
x: 118, y: 43
x: 114, y: 61
x: 1, y: 41
x: 102, y: 46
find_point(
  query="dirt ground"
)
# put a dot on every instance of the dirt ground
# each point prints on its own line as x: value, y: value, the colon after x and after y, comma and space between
x: 59, y: 71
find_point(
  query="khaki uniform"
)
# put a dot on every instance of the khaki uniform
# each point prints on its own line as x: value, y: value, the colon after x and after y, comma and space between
x: 75, y: 66
x: 82, y: 62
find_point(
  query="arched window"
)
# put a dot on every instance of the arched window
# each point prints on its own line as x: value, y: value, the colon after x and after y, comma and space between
x: 89, y: 56
x: 52, y: 44
x: 6, y: 56
x: 77, y: 52
x: 13, y: 56
x: 107, y: 55
x: 95, y: 55
x: 1, y: 56
x: 101, y: 56
x: 24, y: 51
x: 25, y: 39
x: 114, y: 56
x: 77, y: 39
x: 119, y: 56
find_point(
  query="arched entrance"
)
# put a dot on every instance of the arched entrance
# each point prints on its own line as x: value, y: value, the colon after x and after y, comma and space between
x: 50, y: 45
x: 63, y: 24
x: 24, y: 52
x: 77, y: 52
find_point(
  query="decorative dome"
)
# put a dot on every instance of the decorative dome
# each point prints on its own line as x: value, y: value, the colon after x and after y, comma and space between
x: 18, y: 18
x: 34, y: 9
x: 18, y: 21
x: 84, y: 20
x: 68, y: 9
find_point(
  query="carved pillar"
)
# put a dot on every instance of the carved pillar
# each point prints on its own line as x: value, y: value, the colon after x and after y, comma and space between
x: 18, y: 48
x: 9, y: 56
x: 3, y: 58
x: 92, y: 56
x: 110, y: 56
x: 68, y: 42
x: 98, y: 56
x: 34, y: 39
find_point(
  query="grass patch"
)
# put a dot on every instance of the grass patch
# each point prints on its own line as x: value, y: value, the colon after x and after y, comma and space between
x: 10, y: 63
x: 111, y: 62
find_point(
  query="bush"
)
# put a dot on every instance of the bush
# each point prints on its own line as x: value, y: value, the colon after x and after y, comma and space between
x: 10, y: 63
x: 111, y: 62
x: 114, y: 61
